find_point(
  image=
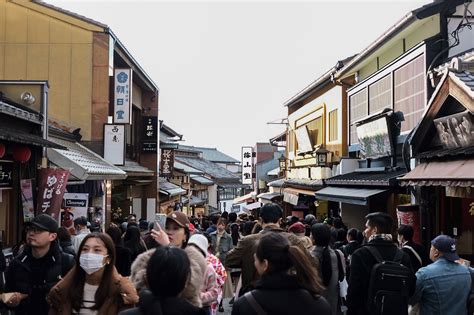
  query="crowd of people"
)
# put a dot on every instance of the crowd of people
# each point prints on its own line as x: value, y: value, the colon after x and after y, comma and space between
x: 272, y: 265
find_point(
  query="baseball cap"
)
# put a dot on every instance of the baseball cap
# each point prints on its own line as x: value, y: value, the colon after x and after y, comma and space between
x: 297, y: 227
x: 44, y: 222
x: 180, y: 218
x: 200, y: 241
x: 446, y: 245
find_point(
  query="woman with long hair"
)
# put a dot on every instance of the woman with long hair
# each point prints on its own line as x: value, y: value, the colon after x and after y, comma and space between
x: 167, y: 272
x: 329, y: 266
x: 175, y: 234
x: 289, y: 284
x: 123, y: 260
x: 133, y: 241
x: 93, y: 286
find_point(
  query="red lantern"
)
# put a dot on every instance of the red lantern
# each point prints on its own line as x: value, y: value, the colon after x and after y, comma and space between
x: 21, y: 153
x: 2, y: 150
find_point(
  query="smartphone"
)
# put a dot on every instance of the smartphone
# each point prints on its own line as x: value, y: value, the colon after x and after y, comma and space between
x: 160, y: 219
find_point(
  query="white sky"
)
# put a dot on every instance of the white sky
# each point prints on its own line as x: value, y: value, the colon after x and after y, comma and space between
x: 225, y: 68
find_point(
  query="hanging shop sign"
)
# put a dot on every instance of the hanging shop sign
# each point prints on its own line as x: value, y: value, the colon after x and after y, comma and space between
x: 410, y: 215
x: 114, y: 144
x: 51, y: 187
x: 375, y: 139
x: 149, y: 134
x: 247, y: 165
x: 6, y: 169
x: 166, y: 162
x: 123, y: 96
x: 455, y: 131
x: 27, y: 200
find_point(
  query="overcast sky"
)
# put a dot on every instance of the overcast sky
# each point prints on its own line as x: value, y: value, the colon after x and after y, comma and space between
x: 225, y: 69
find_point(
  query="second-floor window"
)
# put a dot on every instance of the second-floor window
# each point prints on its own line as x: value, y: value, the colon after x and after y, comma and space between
x: 333, y: 127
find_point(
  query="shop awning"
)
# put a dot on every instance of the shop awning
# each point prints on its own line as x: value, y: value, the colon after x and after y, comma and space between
x: 269, y: 196
x: 274, y: 172
x: 245, y: 198
x: 170, y: 189
x: 202, y: 180
x: 19, y: 136
x: 134, y: 169
x: 83, y: 163
x: 455, y: 173
x: 367, y: 177
x: 357, y: 196
x: 291, y: 195
x: 252, y: 206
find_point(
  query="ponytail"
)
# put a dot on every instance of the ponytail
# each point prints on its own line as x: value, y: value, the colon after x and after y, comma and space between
x: 306, y: 274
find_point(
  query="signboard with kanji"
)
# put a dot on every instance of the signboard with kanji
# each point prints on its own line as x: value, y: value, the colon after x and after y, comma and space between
x: 166, y: 162
x: 149, y: 134
x: 6, y: 169
x: 114, y: 144
x: 247, y: 165
x: 51, y: 186
x: 123, y: 96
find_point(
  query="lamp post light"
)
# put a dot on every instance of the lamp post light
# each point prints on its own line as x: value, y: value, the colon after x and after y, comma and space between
x: 321, y: 156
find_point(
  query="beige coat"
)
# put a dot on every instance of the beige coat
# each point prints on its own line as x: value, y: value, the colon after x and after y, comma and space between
x: 192, y: 289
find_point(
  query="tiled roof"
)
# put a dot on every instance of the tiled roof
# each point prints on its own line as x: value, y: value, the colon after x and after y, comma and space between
x: 170, y: 189
x: 135, y: 169
x: 211, y: 154
x: 276, y: 183
x: 82, y: 162
x: 465, y: 80
x: 207, y: 167
x: 446, y: 152
x: 304, y: 183
x: 185, y: 168
x: 201, y: 180
x: 369, y: 178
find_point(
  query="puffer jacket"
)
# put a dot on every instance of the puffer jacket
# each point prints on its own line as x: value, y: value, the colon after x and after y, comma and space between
x: 192, y: 289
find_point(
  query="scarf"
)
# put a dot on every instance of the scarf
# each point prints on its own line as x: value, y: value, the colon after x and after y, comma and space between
x: 386, y: 237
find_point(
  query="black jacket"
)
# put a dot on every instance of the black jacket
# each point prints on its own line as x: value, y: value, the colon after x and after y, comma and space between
x: 420, y: 250
x: 281, y: 294
x: 168, y: 306
x: 350, y: 248
x: 123, y: 260
x: 68, y: 248
x: 23, y: 269
x: 362, y: 262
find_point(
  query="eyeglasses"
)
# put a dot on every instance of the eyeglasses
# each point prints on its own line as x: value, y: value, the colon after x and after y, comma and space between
x: 34, y: 230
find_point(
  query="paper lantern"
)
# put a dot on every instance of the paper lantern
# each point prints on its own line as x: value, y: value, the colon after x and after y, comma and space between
x: 21, y: 153
x: 2, y: 150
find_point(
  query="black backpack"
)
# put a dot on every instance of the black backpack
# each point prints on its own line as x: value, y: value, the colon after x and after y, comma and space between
x: 389, y: 285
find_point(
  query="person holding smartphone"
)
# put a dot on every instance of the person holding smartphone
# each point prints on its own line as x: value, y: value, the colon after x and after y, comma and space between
x: 175, y: 234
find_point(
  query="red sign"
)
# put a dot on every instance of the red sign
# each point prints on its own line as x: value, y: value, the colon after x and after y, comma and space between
x: 409, y: 215
x: 51, y: 187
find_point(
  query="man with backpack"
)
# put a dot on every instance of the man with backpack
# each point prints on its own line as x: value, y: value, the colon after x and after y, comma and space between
x: 381, y: 278
x: 418, y: 256
x: 444, y: 286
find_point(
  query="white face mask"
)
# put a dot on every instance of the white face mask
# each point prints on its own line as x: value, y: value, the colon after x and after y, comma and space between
x: 91, y: 262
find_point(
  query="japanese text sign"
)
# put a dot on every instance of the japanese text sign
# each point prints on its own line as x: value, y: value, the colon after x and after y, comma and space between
x: 149, y: 134
x: 114, y: 144
x: 167, y: 161
x: 123, y: 96
x: 247, y: 165
x: 51, y: 187
x: 6, y: 174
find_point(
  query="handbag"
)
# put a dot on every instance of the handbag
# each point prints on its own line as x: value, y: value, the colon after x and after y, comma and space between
x: 342, y: 282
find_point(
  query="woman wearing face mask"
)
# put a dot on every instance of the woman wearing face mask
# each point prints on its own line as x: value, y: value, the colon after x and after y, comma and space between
x: 289, y: 283
x: 176, y: 234
x: 93, y: 286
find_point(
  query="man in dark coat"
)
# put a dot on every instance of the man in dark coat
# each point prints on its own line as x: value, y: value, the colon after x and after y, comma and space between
x: 378, y: 232
x: 418, y: 255
x: 35, y: 271
x: 242, y: 256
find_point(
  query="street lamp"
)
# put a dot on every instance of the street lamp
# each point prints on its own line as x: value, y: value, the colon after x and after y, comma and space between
x: 282, y: 161
x: 321, y: 156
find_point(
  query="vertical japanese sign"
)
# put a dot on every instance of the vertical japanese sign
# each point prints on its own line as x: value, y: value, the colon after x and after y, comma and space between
x: 123, y: 96
x: 27, y: 200
x: 149, y: 134
x: 51, y: 187
x: 247, y: 161
x: 167, y: 161
x: 114, y: 144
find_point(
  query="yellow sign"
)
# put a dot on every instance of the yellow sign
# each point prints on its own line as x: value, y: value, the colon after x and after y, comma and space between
x: 471, y: 208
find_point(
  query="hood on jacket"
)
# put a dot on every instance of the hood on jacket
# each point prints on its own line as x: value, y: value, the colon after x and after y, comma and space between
x: 191, y: 291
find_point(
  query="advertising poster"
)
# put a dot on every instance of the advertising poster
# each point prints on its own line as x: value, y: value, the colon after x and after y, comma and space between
x: 409, y: 215
x: 27, y: 200
x: 75, y: 206
x: 51, y: 186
